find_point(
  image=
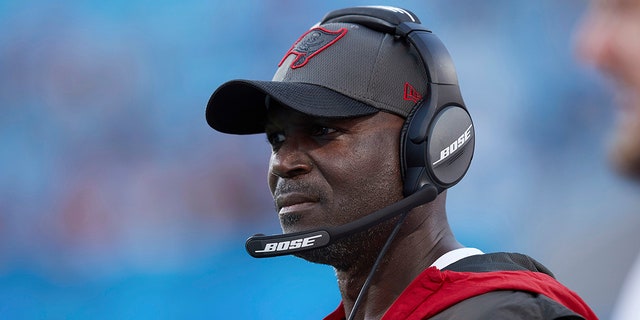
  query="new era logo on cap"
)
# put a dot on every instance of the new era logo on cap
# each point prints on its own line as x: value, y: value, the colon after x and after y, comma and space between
x: 411, y: 94
x: 311, y: 43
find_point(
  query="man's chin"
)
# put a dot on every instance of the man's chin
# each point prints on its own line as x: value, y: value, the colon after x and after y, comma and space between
x: 342, y: 255
x: 324, y: 255
x: 354, y: 252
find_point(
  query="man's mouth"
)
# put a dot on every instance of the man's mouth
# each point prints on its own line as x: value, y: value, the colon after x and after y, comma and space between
x: 294, y: 202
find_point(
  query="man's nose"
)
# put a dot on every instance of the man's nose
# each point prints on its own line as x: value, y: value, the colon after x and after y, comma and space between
x: 291, y: 159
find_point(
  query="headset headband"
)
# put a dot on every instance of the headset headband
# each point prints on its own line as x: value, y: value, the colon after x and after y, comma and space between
x: 403, y: 24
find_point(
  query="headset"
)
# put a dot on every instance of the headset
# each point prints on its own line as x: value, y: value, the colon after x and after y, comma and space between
x: 437, y: 140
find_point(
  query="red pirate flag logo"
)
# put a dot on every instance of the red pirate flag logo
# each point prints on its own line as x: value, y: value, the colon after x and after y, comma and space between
x: 311, y: 43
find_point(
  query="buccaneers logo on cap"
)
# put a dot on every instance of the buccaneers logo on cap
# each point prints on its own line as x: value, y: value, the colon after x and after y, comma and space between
x: 311, y: 43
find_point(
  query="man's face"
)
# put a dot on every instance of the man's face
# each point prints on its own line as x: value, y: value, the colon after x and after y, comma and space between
x: 328, y: 172
x: 609, y: 38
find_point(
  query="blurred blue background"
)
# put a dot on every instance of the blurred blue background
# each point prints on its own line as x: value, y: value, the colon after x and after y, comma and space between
x: 117, y: 201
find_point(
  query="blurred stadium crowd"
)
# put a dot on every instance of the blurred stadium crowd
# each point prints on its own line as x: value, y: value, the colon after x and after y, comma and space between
x: 117, y: 201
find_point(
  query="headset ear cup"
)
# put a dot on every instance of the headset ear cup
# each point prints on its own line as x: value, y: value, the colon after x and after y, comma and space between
x: 450, y: 146
x: 443, y: 157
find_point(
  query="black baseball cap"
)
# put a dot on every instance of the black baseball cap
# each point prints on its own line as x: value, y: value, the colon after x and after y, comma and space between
x: 335, y: 70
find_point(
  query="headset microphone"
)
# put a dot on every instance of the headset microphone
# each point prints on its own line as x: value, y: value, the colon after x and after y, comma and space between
x: 261, y: 246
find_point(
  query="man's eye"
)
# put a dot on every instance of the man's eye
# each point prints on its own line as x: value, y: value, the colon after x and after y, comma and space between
x: 276, y: 138
x: 322, y: 131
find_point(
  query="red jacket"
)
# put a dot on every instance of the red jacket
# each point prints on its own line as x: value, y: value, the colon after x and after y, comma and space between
x: 434, y: 291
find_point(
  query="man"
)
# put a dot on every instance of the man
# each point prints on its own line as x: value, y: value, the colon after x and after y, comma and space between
x: 349, y: 105
x: 609, y: 38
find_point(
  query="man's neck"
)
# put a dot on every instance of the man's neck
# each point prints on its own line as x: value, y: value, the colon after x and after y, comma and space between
x: 408, y: 256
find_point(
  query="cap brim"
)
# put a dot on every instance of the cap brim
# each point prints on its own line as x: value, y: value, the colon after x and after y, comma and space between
x: 238, y: 106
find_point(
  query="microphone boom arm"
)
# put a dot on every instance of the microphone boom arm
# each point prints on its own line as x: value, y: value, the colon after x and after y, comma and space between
x: 262, y: 246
